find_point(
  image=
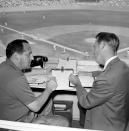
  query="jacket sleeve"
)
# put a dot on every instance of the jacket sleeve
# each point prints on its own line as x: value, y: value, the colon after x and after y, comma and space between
x: 101, y: 91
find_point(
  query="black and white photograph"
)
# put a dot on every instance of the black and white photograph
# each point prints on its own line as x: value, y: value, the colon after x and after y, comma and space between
x: 64, y: 65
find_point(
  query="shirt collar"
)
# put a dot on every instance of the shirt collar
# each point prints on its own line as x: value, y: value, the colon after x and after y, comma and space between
x: 108, y: 61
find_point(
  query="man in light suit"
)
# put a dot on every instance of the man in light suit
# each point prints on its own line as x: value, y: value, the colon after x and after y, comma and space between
x: 107, y: 103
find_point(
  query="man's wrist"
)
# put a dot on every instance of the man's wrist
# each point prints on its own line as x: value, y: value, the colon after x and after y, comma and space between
x: 49, y: 90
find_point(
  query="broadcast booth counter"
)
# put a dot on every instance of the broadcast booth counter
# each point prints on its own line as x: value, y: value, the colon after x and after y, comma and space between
x: 20, y: 126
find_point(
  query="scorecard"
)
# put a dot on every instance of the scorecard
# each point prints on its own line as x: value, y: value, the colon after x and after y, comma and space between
x: 62, y: 77
x: 86, y: 79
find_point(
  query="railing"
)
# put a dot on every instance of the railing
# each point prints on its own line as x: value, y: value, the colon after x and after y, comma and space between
x: 20, y: 126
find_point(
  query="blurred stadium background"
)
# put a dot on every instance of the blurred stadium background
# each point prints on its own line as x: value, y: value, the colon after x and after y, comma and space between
x: 69, y: 23
x: 26, y: 3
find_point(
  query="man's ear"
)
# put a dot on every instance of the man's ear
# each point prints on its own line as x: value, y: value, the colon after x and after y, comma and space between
x: 16, y: 56
x: 102, y: 45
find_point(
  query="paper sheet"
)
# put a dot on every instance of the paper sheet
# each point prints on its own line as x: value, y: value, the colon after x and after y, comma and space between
x: 62, y: 78
x: 37, y: 81
x: 86, y: 81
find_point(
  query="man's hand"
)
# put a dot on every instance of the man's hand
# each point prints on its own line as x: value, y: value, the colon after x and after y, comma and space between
x: 74, y: 80
x: 51, y: 85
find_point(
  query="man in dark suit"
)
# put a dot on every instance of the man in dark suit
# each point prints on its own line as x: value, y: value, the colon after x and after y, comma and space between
x: 107, y: 102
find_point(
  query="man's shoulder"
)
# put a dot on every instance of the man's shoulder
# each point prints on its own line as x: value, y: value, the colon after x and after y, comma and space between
x: 114, y: 70
x: 4, y: 69
x: 7, y: 73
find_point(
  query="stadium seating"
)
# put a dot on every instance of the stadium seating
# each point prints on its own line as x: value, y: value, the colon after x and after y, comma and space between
x: 44, y: 3
x: 31, y: 3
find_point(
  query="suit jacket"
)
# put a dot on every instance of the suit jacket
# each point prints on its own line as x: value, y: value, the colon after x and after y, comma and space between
x: 107, y: 102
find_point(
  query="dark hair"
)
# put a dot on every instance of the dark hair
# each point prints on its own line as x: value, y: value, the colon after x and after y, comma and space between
x: 15, y: 46
x: 110, y: 38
